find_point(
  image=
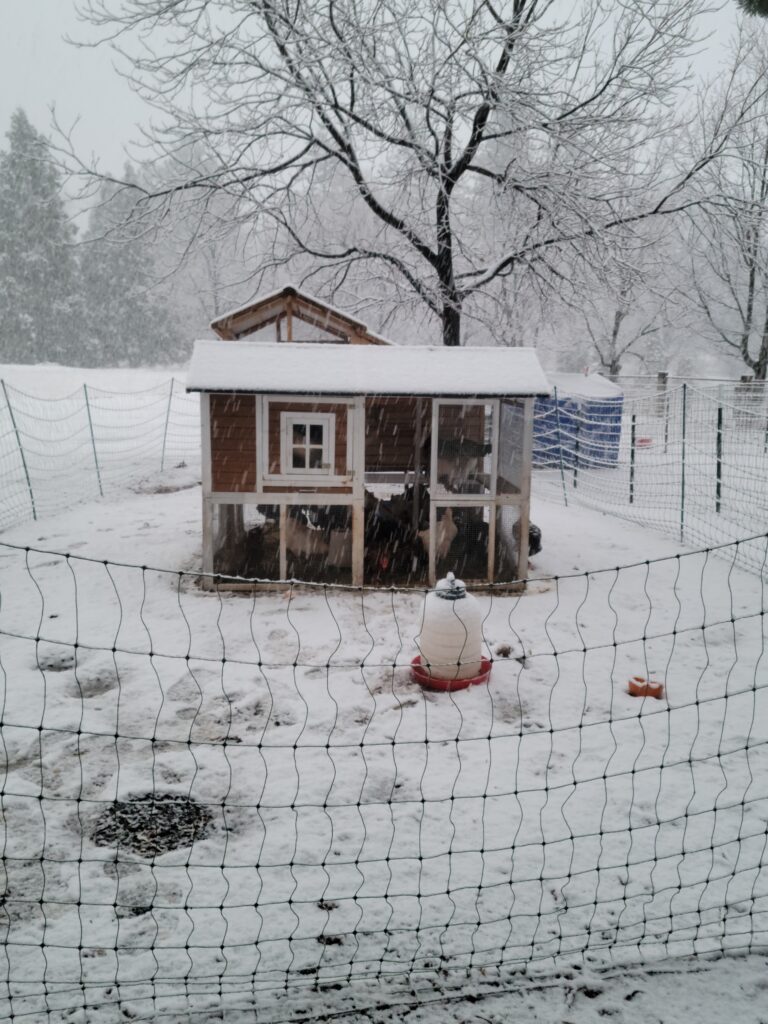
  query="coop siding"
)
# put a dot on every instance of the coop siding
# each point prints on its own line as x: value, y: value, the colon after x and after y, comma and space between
x: 275, y: 436
x: 390, y: 434
x: 466, y: 421
x: 233, y: 442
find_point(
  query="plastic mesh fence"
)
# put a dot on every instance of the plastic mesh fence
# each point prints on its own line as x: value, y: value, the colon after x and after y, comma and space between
x: 59, y: 451
x: 208, y: 797
x: 692, y: 462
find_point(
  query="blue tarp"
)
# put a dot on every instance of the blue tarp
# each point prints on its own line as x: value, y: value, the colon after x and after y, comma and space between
x: 580, y: 423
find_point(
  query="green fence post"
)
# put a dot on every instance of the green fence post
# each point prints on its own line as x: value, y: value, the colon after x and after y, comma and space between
x: 719, y: 458
x: 682, y: 463
x: 576, y: 456
x: 167, y: 419
x: 560, y: 448
x: 93, y: 439
x: 21, y: 449
x: 632, y: 459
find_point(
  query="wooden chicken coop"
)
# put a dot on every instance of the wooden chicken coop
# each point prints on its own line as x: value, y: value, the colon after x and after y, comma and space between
x: 330, y: 461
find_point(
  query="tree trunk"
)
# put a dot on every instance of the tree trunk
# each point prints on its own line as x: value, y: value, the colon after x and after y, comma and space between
x: 451, y: 321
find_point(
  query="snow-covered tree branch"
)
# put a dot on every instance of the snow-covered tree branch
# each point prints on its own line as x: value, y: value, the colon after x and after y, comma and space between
x: 378, y: 137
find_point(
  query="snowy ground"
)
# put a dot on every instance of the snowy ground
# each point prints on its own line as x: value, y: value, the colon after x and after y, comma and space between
x: 360, y: 827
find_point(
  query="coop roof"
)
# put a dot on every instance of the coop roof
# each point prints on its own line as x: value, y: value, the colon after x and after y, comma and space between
x: 308, y: 369
x: 286, y: 305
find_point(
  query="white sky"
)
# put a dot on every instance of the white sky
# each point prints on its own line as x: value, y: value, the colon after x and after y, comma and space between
x: 38, y: 68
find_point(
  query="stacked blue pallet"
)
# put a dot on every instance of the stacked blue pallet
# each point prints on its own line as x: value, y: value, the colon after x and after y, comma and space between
x: 580, y: 423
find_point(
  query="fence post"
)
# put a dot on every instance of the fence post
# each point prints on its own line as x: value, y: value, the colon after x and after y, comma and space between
x: 682, y: 463
x: 21, y: 449
x: 632, y: 459
x: 93, y: 439
x: 576, y: 456
x: 662, y: 384
x: 165, y: 430
x: 719, y: 458
x: 560, y: 447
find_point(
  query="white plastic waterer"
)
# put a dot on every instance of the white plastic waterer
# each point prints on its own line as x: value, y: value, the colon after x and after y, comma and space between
x: 451, y: 637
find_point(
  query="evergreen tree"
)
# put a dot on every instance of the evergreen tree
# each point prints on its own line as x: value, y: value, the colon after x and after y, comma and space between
x: 127, y: 316
x: 759, y: 7
x: 39, y: 288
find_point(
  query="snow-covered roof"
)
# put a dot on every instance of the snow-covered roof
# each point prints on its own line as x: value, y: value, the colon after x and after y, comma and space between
x: 585, y: 385
x: 312, y: 369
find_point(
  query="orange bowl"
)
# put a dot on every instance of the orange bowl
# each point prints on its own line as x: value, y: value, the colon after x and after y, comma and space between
x: 639, y: 686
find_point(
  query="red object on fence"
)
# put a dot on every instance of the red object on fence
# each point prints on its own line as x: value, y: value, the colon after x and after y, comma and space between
x: 426, y: 678
x: 644, y: 442
x: 639, y: 686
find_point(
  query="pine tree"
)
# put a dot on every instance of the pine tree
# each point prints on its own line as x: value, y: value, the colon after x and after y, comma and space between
x: 759, y: 7
x: 127, y: 316
x: 40, y: 302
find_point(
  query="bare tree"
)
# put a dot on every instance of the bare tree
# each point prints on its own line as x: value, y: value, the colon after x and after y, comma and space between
x: 729, y: 231
x: 432, y: 117
x: 630, y: 298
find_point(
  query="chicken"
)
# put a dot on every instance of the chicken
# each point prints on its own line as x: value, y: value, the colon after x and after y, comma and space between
x: 534, y: 537
x: 445, y: 536
x: 302, y: 539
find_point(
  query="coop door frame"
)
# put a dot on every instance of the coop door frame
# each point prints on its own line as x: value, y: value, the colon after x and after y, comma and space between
x: 440, y: 497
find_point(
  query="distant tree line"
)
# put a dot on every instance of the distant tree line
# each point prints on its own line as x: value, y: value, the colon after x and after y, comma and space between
x: 89, y: 301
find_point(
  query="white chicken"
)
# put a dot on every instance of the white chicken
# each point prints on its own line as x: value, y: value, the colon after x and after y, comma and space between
x: 444, y: 537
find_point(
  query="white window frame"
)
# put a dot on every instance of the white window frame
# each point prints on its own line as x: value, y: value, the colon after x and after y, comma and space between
x: 327, y: 420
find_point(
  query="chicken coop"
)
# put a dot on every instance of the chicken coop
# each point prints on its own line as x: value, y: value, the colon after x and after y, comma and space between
x: 365, y: 463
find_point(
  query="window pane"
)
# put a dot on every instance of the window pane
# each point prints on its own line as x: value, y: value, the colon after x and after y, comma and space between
x: 315, y: 458
x: 299, y: 460
x: 464, y: 434
x: 299, y: 433
x: 316, y: 433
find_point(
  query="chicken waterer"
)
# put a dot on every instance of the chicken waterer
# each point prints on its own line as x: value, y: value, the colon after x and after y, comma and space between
x: 451, y: 639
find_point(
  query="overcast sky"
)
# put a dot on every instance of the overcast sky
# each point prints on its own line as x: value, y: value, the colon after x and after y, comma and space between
x: 38, y: 68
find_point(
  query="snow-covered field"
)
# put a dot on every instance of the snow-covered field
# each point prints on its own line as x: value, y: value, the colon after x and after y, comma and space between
x: 359, y: 827
x: 353, y: 828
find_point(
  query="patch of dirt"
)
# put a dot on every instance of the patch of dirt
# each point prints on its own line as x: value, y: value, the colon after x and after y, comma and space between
x: 93, y: 686
x: 152, y: 824
x: 55, y: 660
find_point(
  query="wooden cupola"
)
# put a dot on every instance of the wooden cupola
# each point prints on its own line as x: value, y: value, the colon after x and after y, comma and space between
x: 286, y: 307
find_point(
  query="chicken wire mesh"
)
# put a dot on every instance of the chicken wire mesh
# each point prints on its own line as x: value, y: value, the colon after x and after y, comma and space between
x: 211, y: 797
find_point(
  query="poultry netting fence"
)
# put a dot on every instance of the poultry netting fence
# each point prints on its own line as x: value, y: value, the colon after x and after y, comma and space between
x: 211, y: 798
x: 691, y: 460
x: 56, y: 452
